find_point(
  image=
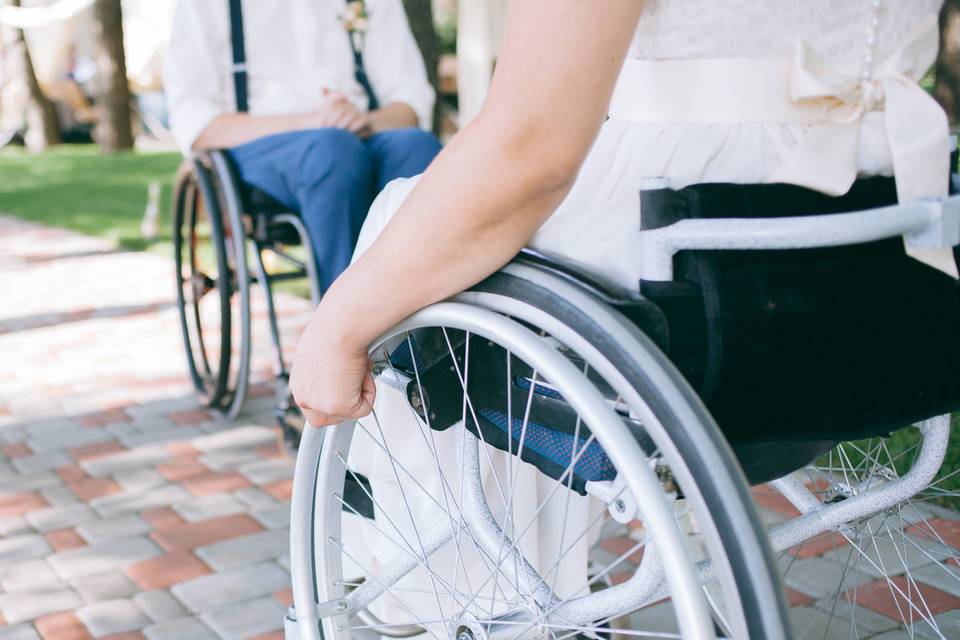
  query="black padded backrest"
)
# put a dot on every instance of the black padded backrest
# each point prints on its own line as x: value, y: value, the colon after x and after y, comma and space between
x: 817, y: 344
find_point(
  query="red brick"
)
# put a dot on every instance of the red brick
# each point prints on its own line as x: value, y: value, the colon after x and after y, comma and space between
x: 215, y: 482
x: 89, y: 488
x: 64, y: 539
x: 769, y: 498
x: 797, y: 599
x: 71, y: 473
x: 61, y: 626
x: 620, y: 546
x: 189, y: 536
x: 102, y: 418
x: 285, y: 597
x: 129, y: 635
x: 281, y: 490
x: 882, y: 597
x: 947, y: 530
x: 619, y: 578
x: 16, y: 450
x: 161, y: 518
x: 164, y: 571
x: 819, y: 545
x: 18, y: 504
x: 270, y: 635
x: 96, y: 450
x: 191, y: 417
x: 268, y: 450
x: 182, y: 449
x: 181, y: 468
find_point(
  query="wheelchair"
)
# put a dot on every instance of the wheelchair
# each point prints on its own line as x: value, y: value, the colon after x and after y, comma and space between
x: 225, y: 236
x: 779, y: 339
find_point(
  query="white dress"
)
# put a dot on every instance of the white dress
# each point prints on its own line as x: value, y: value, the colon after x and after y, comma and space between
x: 597, y: 223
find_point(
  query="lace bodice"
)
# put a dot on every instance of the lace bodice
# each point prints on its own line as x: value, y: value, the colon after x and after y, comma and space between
x: 837, y: 29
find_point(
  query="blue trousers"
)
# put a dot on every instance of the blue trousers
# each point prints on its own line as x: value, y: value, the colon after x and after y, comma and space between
x: 330, y: 176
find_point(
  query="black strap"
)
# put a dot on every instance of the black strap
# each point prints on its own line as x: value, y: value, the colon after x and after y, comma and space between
x: 360, y: 73
x: 239, y: 55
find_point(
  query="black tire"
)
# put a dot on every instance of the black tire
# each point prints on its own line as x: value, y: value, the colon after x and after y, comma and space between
x: 208, y: 349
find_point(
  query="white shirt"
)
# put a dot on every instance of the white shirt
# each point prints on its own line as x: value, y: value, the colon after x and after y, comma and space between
x: 294, y: 49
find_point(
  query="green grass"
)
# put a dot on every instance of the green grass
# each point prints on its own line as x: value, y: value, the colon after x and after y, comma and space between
x: 78, y: 188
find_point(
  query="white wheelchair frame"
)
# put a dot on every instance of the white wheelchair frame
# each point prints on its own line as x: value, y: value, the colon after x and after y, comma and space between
x: 927, y: 224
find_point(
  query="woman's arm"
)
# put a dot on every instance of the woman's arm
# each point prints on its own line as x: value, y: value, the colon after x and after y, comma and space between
x: 481, y: 200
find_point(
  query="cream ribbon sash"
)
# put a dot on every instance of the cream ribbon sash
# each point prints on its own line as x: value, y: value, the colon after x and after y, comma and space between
x: 807, y: 90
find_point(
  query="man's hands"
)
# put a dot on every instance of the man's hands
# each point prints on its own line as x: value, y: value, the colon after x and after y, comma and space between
x: 338, y: 112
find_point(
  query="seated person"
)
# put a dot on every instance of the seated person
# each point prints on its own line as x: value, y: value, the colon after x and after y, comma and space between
x: 310, y: 138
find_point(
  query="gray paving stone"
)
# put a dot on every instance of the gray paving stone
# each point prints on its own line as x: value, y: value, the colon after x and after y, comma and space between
x: 216, y: 590
x: 867, y: 621
x: 117, y: 528
x: 154, y: 437
x: 41, y: 462
x: 139, y: 479
x: 14, y: 525
x: 809, y: 623
x: 103, y: 557
x: 246, y: 619
x: 275, y: 518
x: 159, y: 605
x: 131, y: 502
x: 27, y: 605
x: 180, y: 629
x: 131, y: 460
x: 22, y: 547
x: 29, y: 575
x: 76, y: 436
x: 58, y: 496
x: 19, y: 632
x: 112, y: 616
x: 882, y: 556
x: 255, y: 498
x: 53, y: 518
x: 250, y: 549
x: 949, y: 623
x: 209, y: 506
x: 228, y: 460
x: 32, y: 482
x: 942, y: 576
x: 267, y: 471
x: 820, y: 578
x: 104, y: 586
x: 236, y: 438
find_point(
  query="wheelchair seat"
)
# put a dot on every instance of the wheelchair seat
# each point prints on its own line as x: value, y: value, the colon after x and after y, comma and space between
x: 792, y: 351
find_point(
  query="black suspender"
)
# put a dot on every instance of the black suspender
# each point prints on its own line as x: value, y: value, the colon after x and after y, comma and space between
x: 239, y: 55
x: 240, y: 62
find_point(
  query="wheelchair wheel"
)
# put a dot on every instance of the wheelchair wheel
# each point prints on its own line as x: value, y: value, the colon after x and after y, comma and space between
x: 212, y: 290
x: 900, y: 566
x: 419, y: 530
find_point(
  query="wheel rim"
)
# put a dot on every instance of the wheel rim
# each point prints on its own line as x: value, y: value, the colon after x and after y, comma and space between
x: 436, y: 488
x: 897, y: 568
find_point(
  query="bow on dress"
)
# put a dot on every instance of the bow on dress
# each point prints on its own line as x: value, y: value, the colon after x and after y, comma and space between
x: 917, y: 128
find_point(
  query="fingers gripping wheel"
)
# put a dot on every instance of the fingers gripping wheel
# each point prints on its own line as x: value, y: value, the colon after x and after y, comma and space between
x: 212, y: 289
x: 468, y: 539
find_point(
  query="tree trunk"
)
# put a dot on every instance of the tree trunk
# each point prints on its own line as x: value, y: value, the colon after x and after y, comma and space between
x: 947, y: 86
x: 420, y: 15
x: 43, y: 128
x: 114, y: 130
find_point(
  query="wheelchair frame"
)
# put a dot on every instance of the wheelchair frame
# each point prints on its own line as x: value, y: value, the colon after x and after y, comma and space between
x: 211, y: 175
x: 928, y: 223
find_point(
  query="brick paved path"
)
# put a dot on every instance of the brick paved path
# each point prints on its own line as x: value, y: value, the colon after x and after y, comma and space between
x: 127, y: 511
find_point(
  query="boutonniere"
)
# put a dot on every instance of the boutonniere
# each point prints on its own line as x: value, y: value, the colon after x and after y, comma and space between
x: 355, y: 19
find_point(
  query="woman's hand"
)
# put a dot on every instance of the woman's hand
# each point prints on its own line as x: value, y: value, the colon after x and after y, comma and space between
x: 331, y: 380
